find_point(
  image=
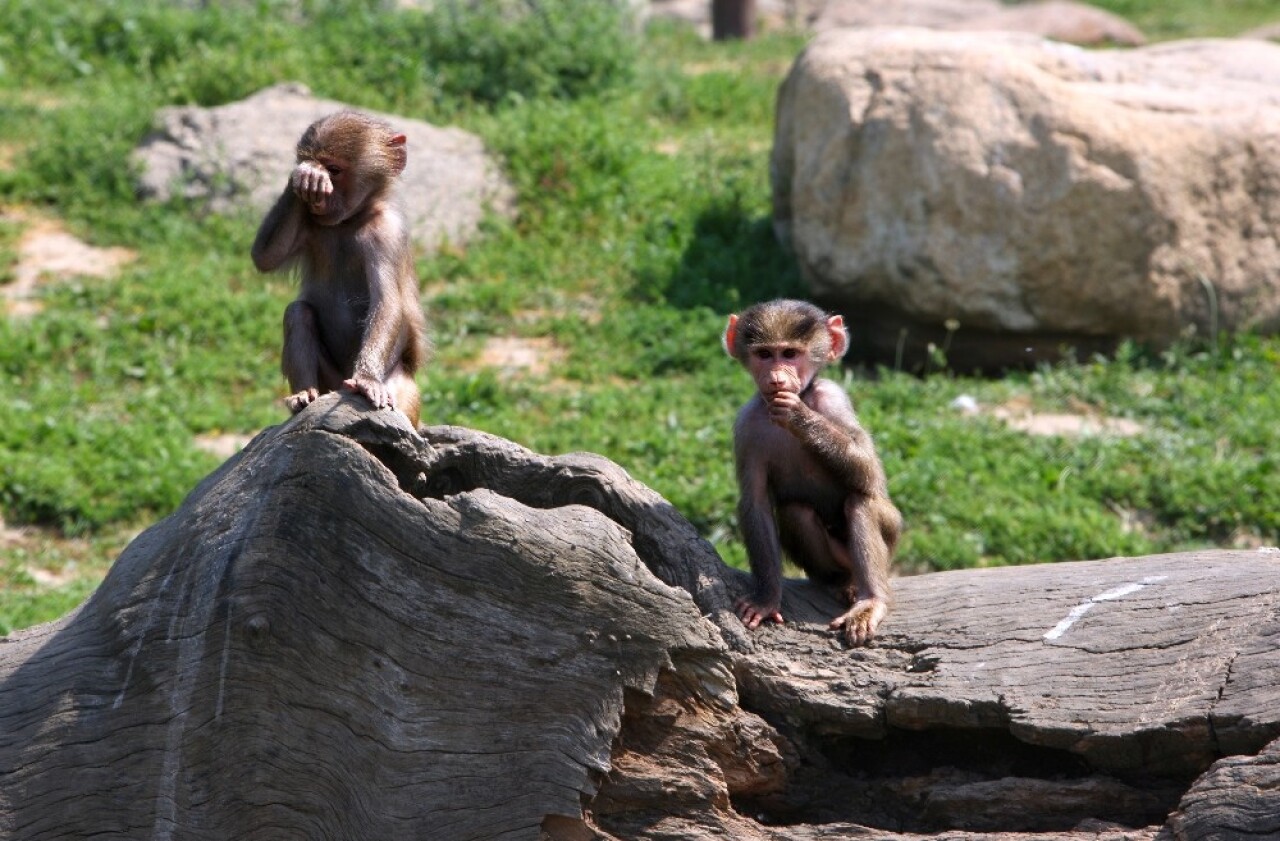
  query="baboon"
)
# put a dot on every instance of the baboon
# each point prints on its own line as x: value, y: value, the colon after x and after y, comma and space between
x: 357, y: 322
x: 810, y: 482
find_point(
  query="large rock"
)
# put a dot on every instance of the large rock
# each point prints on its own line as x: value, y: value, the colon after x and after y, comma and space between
x: 240, y: 155
x: 1046, y: 18
x: 353, y: 631
x: 1031, y: 193
x: 932, y: 14
x: 1061, y: 20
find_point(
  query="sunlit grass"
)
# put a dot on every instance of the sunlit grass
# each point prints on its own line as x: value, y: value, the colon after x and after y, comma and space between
x: 644, y: 220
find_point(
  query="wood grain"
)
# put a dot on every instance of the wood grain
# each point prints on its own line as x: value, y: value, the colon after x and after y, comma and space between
x: 354, y: 631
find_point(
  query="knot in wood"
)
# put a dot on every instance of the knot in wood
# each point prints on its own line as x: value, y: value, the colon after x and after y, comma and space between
x: 257, y: 629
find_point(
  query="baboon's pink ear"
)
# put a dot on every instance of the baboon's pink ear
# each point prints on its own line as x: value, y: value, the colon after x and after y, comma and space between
x: 839, y: 335
x: 730, y: 334
x: 399, y: 153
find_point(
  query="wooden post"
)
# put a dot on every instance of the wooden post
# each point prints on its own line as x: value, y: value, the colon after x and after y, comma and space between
x: 733, y: 19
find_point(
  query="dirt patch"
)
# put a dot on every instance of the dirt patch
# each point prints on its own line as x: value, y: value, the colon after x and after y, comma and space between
x: 47, y: 252
x: 1085, y: 420
x: 54, y: 560
x: 8, y: 155
x: 225, y: 445
x: 1069, y: 425
x: 670, y: 148
x: 580, y: 307
x: 512, y: 354
x: 11, y: 536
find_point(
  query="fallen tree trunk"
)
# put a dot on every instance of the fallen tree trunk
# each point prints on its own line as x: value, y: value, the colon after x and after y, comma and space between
x: 350, y: 631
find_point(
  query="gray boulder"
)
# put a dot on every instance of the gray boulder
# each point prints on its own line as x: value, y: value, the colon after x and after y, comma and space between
x: 238, y: 156
x: 931, y: 14
x: 1061, y: 20
x: 1003, y: 195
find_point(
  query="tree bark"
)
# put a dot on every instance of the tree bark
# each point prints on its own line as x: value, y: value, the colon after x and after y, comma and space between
x: 352, y: 631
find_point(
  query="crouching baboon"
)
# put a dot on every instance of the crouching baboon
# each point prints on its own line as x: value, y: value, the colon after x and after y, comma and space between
x: 810, y: 482
x: 357, y: 322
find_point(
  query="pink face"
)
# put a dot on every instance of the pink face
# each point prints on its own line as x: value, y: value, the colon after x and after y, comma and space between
x: 780, y: 367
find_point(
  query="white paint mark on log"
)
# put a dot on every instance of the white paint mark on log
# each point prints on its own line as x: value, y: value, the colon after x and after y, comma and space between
x: 1072, y: 617
x: 1110, y: 595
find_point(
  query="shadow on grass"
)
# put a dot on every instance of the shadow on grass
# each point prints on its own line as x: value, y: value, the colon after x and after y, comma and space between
x: 732, y: 260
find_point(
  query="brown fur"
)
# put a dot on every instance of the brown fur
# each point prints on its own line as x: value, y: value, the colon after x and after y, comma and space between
x: 782, y: 320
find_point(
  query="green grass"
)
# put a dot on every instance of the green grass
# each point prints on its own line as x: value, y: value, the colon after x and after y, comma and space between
x: 1192, y: 19
x: 644, y: 219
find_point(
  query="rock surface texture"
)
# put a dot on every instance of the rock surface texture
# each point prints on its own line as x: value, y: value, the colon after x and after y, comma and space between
x: 239, y: 156
x: 931, y: 14
x: 1002, y: 195
x: 352, y: 631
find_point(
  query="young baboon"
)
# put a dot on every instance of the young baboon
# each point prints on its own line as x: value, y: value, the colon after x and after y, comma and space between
x: 809, y: 479
x: 357, y: 322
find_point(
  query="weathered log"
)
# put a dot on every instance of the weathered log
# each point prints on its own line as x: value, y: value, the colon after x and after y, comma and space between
x: 1238, y: 797
x: 307, y: 651
x: 1116, y: 683
x: 352, y: 631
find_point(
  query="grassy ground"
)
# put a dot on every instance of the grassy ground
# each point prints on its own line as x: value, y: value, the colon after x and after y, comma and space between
x: 642, y: 170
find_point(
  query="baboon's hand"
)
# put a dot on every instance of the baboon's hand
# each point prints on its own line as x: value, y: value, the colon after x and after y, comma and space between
x: 311, y: 183
x: 785, y: 408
